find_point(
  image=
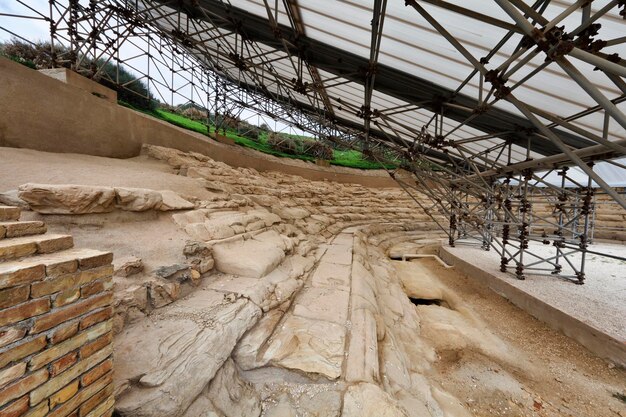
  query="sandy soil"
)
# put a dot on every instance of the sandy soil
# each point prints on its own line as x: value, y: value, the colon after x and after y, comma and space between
x: 561, y: 378
x: 555, y: 377
x: 19, y: 166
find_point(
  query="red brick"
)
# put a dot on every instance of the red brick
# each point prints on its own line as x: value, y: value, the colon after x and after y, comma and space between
x: 16, y: 408
x: 55, y: 244
x: 22, y: 350
x: 95, y: 287
x: 60, y: 268
x: 103, y: 409
x: 11, y: 334
x: 66, y: 297
x: 23, y: 386
x: 13, y: 296
x: 63, y: 363
x: 24, y: 311
x: 12, y: 373
x: 82, y: 396
x: 96, y: 373
x: 56, y: 351
x: 54, y: 384
x: 96, y: 261
x: 22, y: 276
x: 67, y: 281
x: 40, y: 410
x: 96, y: 317
x: 64, y: 394
x: 92, y: 347
x: 77, y: 309
x: 95, y: 400
x: 63, y: 333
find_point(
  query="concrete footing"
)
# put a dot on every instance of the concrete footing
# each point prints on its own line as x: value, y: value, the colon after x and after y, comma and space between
x: 591, y: 337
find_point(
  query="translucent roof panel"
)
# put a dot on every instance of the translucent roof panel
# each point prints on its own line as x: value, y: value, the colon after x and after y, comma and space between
x: 318, y: 56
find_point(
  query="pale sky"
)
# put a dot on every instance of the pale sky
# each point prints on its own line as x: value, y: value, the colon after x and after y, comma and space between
x: 38, y: 30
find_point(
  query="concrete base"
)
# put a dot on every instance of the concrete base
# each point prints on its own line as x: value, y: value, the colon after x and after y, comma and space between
x: 72, y: 78
x: 598, y: 340
x: 222, y: 139
x: 86, y: 124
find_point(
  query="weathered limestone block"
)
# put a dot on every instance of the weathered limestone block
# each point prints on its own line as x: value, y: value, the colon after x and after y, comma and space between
x: 339, y: 254
x: 173, y: 157
x: 247, y: 350
x: 451, y: 333
x: 251, y: 288
x: 172, y: 201
x: 176, y: 272
x: 67, y: 198
x: 323, y: 304
x: 127, y: 266
x: 174, y: 356
x: 266, y: 200
x: 271, y: 290
x: 368, y: 400
x: 162, y: 293
x: 308, y: 345
x: 253, y: 258
x: 418, y: 282
x: 362, y: 360
x: 233, y: 396
x: 363, y: 289
x: 394, y: 366
x: 130, y: 304
x: 290, y: 213
x: 282, y: 407
x: 137, y: 199
x: 325, y: 403
x: 329, y: 275
x: 196, y: 249
x: 202, y: 407
x: 12, y: 198
x: 193, y: 216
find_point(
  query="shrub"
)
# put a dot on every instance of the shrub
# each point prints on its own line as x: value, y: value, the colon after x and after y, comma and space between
x: 34, y: 55
x: 37, y: 55
x: 282, y: 143
x: 253, y: 134
x: 230, y: 122
x: 194, y: 114
x: 317, y: 149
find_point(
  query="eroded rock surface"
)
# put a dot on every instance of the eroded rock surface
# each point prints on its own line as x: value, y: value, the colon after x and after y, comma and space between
x: 282, y: 301
x: 86, y: 199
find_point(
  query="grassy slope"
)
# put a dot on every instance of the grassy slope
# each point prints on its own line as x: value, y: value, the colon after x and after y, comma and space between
x: 348, y: 158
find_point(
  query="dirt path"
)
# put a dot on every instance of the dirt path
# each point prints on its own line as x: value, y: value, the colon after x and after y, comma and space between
x: 559, y: 377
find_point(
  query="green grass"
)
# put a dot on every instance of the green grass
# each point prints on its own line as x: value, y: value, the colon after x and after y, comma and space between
x: 348, y: 158
x: 182, y: 121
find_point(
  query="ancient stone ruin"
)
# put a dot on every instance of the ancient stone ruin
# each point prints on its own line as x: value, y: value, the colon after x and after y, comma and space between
x: 239, y: 293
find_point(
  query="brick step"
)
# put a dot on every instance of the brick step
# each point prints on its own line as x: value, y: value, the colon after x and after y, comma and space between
x: 9, y: 213
x: 14, y: 272
x: 19, y: 247
x: 18, y: 229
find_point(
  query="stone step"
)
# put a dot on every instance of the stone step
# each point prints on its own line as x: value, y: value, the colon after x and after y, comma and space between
x: 9, y: 213
x: 51, y: 264
x: 18, y: 229
x: 19, y: 247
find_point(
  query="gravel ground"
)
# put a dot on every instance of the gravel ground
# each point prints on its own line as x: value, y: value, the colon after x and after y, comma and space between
x: 600, y: 302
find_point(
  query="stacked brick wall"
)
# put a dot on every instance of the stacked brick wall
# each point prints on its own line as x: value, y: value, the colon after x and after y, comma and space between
x: 55, y: 325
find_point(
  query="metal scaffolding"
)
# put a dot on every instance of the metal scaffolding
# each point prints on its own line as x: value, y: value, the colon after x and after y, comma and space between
x: 480, y: 152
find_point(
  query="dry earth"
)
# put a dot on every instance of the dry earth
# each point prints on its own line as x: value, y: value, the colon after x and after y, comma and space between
x: 241, y: 293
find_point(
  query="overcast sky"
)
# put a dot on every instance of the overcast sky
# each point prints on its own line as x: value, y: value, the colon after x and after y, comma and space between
x: 38, y: 30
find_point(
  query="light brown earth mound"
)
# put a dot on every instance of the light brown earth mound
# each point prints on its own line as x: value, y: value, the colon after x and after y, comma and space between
x: 275, y: 296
